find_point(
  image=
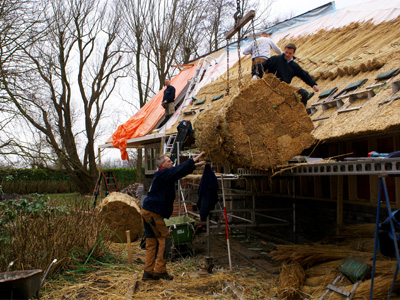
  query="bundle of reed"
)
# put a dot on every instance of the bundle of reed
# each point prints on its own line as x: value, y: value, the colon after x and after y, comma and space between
x: 309, y: 255
x: 262, y: 126
x: 323, y: 280
x: 291, y: 278
x: 360, y: 231
x: 323, y: 269
x: 381, y: 289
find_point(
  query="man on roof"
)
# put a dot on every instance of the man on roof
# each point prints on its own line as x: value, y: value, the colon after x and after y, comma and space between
x: 168, y: 99
x: 158, y: 205
x: 285, y: 68
x: 260, y: 51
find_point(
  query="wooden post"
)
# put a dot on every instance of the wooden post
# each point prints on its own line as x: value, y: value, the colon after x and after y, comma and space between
x: 352, y: 179
x: 333, y: 179
x: 317, y: 186
x: 100, y: 189
x: 373, y: 179
x: 128, y: 245
x: 339, y: 207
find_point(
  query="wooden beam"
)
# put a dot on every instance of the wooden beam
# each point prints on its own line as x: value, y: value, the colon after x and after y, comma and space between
x: 339, y: 205
x: 243, y: 21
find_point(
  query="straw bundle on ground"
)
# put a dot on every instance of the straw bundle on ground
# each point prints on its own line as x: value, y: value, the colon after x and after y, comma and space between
x: 260, y: 127
x: 381, y: 288
x: 310, y: 255
x: 291, y: 278
x: 122, y: 212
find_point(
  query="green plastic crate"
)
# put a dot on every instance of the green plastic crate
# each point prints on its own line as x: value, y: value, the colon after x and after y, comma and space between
x: 181, y: 229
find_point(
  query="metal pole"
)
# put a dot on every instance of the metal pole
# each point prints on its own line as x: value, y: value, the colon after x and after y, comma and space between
x: 179, y: 181
x: 294, y: 210
x: 208, y: 235
x: 226, y: 223
x: 378, y: 212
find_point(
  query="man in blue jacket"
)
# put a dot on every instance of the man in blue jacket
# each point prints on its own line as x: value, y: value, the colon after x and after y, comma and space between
x: 158, y: 205
x: 285, y: 68
x: 168, y: 99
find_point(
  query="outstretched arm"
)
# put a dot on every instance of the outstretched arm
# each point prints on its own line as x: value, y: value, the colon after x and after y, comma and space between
x: 196, y: 159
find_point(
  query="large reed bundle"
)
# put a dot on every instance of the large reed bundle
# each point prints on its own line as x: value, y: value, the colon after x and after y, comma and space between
x: 122, y: 212
x: 263, y: 125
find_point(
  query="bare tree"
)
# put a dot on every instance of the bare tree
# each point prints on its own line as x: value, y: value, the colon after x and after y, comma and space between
x: 60, y: 80
x: 136, y: 16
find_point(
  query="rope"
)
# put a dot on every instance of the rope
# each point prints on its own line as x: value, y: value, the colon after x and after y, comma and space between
x: 82, y: 267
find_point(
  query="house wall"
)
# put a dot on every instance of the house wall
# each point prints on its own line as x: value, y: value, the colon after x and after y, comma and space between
x: 318, y: 209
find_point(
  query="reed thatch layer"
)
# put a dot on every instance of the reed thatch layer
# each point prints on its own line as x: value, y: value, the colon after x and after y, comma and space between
x: 260, y: 127
x: 344, y: 55
x: 122, y: 212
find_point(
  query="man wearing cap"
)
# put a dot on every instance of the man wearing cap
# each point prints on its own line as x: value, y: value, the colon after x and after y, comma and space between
x: 260, y: 51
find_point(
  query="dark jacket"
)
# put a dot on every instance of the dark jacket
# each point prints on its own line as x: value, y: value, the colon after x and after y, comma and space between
x: 160, y: 198
x: 207, y: 192
x: 286, y: 71
x: 169, y: 94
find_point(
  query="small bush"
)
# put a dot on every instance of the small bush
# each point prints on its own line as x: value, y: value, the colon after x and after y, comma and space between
x: 33, y: 233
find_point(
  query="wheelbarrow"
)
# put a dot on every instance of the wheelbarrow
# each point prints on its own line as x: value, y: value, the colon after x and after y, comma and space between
x: 22, y: 284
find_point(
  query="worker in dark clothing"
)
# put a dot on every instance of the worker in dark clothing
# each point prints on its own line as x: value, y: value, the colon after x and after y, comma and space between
x: 285, y: 68
x: 158, y: 205
x: 168, y: 100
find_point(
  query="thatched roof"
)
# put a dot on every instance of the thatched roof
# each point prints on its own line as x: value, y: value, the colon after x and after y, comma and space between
x: 335, y: 58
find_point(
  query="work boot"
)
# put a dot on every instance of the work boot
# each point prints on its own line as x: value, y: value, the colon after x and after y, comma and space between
x: 255, y: 77
x: 147, y: 276
x: 165, y: 276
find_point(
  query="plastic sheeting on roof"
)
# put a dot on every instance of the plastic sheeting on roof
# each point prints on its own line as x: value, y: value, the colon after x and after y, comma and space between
x: 303, y: 18
x: 145, y: 120
x: 376, y: 11
x: 217, y: 68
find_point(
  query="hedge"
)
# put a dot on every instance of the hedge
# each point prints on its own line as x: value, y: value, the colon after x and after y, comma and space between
x: 27, y: 181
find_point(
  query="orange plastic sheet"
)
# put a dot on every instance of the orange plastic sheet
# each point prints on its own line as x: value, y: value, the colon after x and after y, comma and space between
x: 146, y: 118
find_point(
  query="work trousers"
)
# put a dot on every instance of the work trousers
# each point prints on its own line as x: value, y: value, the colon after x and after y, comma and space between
x: 170, y: 109
x: 257, y: 67
x: 158, y: 242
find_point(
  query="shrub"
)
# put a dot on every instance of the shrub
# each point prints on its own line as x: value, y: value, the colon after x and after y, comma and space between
x: 33, y: 233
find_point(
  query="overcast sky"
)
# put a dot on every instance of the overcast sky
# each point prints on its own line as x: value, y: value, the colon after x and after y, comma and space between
x: 285, y: 7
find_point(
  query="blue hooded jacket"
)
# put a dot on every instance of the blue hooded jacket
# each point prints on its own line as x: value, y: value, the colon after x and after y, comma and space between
x: 160, y: 198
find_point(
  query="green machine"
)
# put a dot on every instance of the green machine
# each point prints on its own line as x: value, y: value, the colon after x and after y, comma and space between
x: 182, y: 232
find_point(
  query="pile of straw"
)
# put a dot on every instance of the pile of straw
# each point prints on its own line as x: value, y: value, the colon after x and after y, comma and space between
x: 291, y: 278
x: 124, y: 282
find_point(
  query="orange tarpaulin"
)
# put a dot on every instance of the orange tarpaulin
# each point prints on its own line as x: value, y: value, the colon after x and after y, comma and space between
x: 146, y: 118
